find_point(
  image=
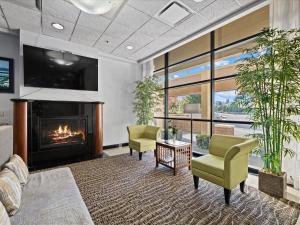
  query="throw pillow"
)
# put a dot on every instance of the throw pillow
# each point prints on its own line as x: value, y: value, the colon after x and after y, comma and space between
x: 17, y: 165
x: 4, y: 219
x: 10, y: 191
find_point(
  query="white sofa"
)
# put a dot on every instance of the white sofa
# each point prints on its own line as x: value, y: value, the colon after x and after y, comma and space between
x: 50, y: 197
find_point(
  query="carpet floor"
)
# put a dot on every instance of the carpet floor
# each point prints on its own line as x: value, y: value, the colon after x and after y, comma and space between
x: 122, y: 190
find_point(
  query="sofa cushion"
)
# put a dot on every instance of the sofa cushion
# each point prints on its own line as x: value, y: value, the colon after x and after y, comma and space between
x: 142, y: 144
x: 52, y: 198
x: 210, y: 164
x: 17, y: 165
x: 4, y: 219
x: 10, y: 191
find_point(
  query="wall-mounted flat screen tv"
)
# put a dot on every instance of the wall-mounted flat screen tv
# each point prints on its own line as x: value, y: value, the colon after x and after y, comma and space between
x: 6, y: 75
x: 46, y: 68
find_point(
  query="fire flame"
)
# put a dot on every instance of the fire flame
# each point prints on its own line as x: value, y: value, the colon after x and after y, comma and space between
x: 64, y: 134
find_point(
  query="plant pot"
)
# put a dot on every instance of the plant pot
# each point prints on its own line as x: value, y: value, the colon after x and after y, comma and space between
x: 272, y: 184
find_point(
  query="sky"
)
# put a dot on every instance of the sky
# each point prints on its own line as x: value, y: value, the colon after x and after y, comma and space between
x: 219, y: 63
x: 4, y: 65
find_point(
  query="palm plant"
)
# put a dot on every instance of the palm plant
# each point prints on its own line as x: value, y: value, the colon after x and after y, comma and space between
x: 148, y: 94
x: 270, y: 78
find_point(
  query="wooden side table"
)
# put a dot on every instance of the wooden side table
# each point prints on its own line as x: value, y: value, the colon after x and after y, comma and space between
x: 173, y: 154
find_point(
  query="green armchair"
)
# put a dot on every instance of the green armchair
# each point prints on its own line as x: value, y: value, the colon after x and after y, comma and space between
x: 226, y: 164
x: 143, y: 138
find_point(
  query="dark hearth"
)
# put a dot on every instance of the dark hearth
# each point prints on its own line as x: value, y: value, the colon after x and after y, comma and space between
x: 58, y: 132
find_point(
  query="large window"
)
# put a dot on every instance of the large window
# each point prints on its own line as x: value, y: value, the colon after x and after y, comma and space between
x: 198, y: 78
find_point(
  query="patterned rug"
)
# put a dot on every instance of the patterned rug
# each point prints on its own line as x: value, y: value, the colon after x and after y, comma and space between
x: 122, y: 190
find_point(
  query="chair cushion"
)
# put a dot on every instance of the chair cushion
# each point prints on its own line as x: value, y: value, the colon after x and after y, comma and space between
x: 142, y: 144
x: 210, y: 164
x: 17, y: 165
x: 10, y: 191
x: 4, y: 219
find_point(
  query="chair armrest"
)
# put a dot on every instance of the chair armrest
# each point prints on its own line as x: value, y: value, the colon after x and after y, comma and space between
x: 152, y: 132
x: 241, y: 149
x: 236, y: 162
x: 134, y: 132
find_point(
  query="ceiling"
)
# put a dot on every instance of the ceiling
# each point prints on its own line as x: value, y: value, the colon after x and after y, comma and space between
x: 130, y: 22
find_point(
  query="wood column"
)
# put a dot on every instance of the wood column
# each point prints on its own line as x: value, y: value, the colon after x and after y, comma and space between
x: 99, y: 129
x: 20, y: 128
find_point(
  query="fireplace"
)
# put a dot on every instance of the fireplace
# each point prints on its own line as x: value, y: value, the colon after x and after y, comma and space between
x: 58, y: 132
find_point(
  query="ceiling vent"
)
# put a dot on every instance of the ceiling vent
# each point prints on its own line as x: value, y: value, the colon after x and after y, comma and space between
x: 174, y: 13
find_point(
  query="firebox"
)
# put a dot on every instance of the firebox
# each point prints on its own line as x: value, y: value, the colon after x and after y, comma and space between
x: 57, y: 132
x: 60, y: 132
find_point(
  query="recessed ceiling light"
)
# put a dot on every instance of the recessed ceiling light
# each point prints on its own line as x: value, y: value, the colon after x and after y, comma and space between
x: 57, y: 26
x: 129, y: 47
x: 198, y: 0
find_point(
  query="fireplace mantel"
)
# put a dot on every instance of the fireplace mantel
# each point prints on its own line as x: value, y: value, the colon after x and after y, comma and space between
x: 27, y: 112
x: 42, y: 100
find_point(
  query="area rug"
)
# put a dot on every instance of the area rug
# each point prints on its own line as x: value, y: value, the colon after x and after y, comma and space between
x: 122, y: 190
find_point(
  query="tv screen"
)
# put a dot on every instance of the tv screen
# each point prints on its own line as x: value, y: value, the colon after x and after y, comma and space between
x: 46, y: 68
x: 6, y: 75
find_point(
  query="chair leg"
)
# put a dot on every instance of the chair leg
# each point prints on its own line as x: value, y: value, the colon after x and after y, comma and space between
x: 242, y: 187
x: 130, y: 151
x: 140, y: 155
x: 155, y: 153
x: 196, y: 181
x: 227, y: 194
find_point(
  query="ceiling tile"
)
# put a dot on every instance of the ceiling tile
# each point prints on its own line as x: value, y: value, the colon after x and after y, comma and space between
x: 50, y: 31
x: 60, y: 9
x: 117, y: 30
x: 31, y: 4
x: 218, y: 9
x: 131, y: 17
x: 116, y: 7
x: 171, y: 36
x: 2, y: 22
x: 137, y: 40
x: 19, y: 17
x: 108, y: 43
x: 162, y: 42
x: 245, y: 2
x: 144, y: 52
x: 150, y: 7
x: 123, y: 52
x: 192, y: 24
x: 196, y: 6
x: 85, y: 36
x: 154, y: 28
x: 94, y: 22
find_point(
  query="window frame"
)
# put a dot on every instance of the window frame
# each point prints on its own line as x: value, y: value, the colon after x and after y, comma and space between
x: 213, y: 50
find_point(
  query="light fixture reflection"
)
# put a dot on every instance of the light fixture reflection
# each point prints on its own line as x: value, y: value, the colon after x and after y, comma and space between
x: 93, y: 6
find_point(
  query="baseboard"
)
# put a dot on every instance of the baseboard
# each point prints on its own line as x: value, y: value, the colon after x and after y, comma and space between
x: 115, y: 146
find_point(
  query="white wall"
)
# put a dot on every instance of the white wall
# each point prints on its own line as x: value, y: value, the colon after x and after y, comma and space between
x: 116, y: 82
x: 9, y: 48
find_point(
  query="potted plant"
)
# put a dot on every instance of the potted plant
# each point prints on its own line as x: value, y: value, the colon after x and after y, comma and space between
x: 269, y: 77
x: 173, y: 130
x: 148, y: 94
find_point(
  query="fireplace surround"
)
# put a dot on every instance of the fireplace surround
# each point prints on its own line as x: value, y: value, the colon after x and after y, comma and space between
x: 48, y: 133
